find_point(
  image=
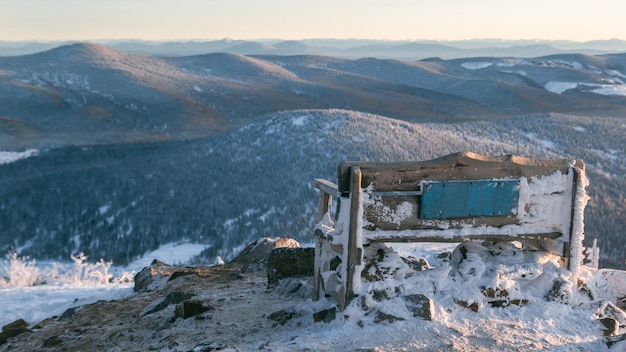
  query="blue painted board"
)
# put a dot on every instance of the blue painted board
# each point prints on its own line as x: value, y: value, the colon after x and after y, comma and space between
x: 470, y: 198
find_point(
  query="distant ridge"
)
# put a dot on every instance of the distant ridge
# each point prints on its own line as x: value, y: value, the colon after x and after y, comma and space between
x: 347, y: 48
x: 87, y: 93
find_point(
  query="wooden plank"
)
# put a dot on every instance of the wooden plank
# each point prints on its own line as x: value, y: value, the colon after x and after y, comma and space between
x: 317, y: 273
x: 391, y: 237
x: 353, y: 255
x: 567, y: 250
x: 325, y: 186
x: 460, y: 166
x: 324, y: 205
x: 469, y: 199
x: 380, y: 214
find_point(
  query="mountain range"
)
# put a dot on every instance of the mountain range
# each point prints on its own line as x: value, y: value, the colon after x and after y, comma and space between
x: 410, y: 50
x: 135, y: 151
x: 91, y: 94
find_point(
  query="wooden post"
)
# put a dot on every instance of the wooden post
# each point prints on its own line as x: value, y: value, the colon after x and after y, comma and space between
x: 328, y: 190
x: 572, y: 221
x: 325, y: 203
x: 353, y: 255
x: 317, y: 264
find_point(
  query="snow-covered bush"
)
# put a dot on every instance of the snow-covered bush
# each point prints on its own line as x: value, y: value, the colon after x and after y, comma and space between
x: 90, y: 273
x: 18, y: 271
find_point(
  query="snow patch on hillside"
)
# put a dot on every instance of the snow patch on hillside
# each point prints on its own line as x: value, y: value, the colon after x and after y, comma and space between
x: 611, y: 90
x: 615, y: 73
x: 505, y: 64
x: 300, y: 120
x: 476, y: 65
x: 560, y: 87
x: 546, y: 143
x: 9, y: 157
x: 597, y: 88
x: 558, y: 63
x: 521, y: 72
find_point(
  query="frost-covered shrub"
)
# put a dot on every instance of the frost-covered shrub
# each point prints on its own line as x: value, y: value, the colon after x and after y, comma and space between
x: 18, y: 271
x: 90, y: 273
x: 95, y: 273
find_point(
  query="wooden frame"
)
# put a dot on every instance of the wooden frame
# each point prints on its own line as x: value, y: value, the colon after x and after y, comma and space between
x: 381, y: 203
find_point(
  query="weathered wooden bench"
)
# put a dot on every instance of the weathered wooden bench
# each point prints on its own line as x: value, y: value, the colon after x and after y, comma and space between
x: 459, y: 197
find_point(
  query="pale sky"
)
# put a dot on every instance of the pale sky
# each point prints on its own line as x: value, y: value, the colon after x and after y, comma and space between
x: 577, y: 20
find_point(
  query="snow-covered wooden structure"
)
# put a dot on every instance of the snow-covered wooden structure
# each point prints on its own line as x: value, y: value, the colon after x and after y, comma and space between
x: 459, y: 197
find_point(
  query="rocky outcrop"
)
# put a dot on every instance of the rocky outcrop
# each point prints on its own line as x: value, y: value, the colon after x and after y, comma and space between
x: 13, y: 329
x: 420, y: 306
x: 254, y: 257
x: 613, y: 340
x: 190, y: 308
x: 178, y: 309
x: 171, y: 298
x: 386, y: 317
x: 154, y: 276
x: 326, y: 315
x: 289, y: 262
x: 221, y: 308
x: 282, y: 316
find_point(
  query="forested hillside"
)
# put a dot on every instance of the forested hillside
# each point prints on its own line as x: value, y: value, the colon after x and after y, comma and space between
x: 119, y: 201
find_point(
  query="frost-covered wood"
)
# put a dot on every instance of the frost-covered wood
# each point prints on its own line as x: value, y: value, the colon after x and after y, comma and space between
x: 540, y: 200
x: 328, y: 190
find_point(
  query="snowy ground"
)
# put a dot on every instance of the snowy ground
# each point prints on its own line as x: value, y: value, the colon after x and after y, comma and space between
x: 35, y: 303
x: 243, y: 318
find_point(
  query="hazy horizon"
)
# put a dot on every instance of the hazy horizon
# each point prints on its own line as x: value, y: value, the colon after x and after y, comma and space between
x: 452, y: 20
x: 277, y: 39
